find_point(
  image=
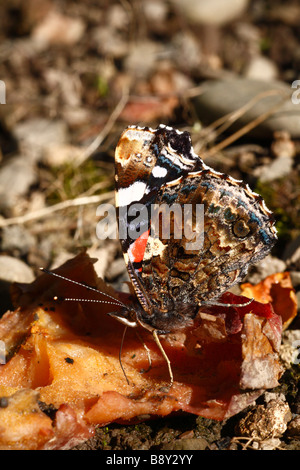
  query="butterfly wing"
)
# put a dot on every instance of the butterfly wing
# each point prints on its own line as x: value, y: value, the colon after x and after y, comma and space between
x: 159, y: 169
x: 146, y: 160
x: 233, y: 231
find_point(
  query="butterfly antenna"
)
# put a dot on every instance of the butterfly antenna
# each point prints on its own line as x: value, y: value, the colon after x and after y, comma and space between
x: 115, y: 301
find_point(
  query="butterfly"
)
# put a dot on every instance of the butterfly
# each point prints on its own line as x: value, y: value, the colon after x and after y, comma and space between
x: 179, y: 261
x: 171, y: 278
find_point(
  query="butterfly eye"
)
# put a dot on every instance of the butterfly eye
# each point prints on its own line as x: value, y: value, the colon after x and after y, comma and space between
x: 240, y: 229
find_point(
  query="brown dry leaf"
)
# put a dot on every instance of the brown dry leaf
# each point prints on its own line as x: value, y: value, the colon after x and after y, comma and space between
x: 149, y: 109
x: 278, y: 290
x: 63, y: 362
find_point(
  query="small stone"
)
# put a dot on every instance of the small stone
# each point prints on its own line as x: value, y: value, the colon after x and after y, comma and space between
x: 261, y: 68
x: 278, y: 168
x: 56, y: 28
x: 16, y: 177
x: 59, y: 154
x: 14, y: 270
x: 269, y: 444
x: 17, y: 239
x: 76, y: 116
x: 156, y: 11
x: 11, y: 270
x: 188, y: 54
x: 135, y: 62
x: 283, y: 146
x: 35, y: 135
x: 265, y: 421
x: 266, y: 267
x: 109, y: 44
x: 212, y: 12
x: 225, y: 96
x: 289, y: 349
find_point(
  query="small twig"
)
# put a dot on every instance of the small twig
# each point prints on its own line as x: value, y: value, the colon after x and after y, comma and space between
x: 80, y: 201
x: 226, y: 121
x: 249, y: 440
x: 229, y: 118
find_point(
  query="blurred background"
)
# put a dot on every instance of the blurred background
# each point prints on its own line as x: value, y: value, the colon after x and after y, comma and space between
x: 76, y: 73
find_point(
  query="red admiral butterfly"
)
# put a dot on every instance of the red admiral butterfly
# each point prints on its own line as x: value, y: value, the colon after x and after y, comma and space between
x: 172, y: 282
x: 159, y: 168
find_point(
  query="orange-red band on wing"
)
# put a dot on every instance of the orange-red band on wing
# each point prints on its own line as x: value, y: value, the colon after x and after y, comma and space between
x: 139, y: 246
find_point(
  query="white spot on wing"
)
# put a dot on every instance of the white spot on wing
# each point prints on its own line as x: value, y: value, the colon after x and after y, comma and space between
x: 134, y: 192
x: 159, y: 172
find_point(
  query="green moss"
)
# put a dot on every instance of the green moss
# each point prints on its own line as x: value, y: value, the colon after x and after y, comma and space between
x: 102, y: 86
x: 282, y: 197
x: 289, y: 383
x: 265, y: 44
x: 69, y: 181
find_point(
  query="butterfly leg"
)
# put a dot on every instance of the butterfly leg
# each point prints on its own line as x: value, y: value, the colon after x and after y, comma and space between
x: 156, y: 339
x: 147, y: 351
x: 120, y: 355
x: 220, y: 304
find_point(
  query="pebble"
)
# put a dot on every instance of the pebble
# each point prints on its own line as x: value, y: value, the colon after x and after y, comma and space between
x: 268, y: 444
x: 135, y: 62
x: 225, y: 96
x: 108, y: 44
x: 212, y: 12
x: 266, y: 267
x: 261, y: 68
x: 289, y: 349
x: 37, y: 134
x: 59, y: 154
x: 16, y: 238
x: 283, y: 146
x: 187, y: 51
x: 15, y: 270
x: 278, y: 168
x: 11, y: 270
x: 156, y: 11
x: 265, y: 421
x: 60, y: 29
x: 16, y: 177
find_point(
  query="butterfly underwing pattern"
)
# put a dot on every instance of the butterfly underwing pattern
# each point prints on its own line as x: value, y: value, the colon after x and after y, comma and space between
x: 159, y: 168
